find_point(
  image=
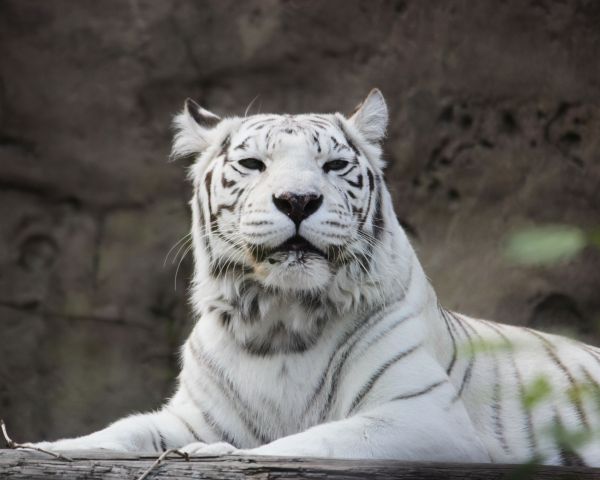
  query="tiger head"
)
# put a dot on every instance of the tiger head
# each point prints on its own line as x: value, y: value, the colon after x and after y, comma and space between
x: 291, y: 203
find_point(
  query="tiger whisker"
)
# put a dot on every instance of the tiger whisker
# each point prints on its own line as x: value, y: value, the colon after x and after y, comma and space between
x: 183, y: 246
x: 182, y: 239
x: 179, y: 264
x: 250, y: 105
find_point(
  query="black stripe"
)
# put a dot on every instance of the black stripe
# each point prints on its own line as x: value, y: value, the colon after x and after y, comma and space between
x: 259, y: 222
x: 593, y: 383
x: 268, y: 136
x: 364, y: 391
x: 595, y: 355
x: 371, y: 179
x: 454, y: 353
x: 384, y: 333
x: 522, y: 393
x: 193, y: 432
x: 238, y: 170
x: 353, y: 147
x: 315, y: 140
x: 153, y: 437
x: 337, y: 371
x: 347, y: 138
x: 341, y: 352
x: 528, y: 416
x: 265, y: 234
x: 218, y: 429
x: 320, y: 123
x: 418, y: 393
x: 207, y: 186
x: 358, y: 183
x: 163, y: 442
x: 338, y: 348
x: 243, y: 145
x: 363, y: 218
x: 335, y: 223
x: 496, y: 397
x: 568, y: 456
x: 466, y: 323
x: 228, y: 391
x: 210, y: 421
x: 229, y: 207
x: 225, y: 145
x: 203, y: 230
x: 255, y: 123
x: 227, y: 183
x: 378, y: 220
x: 497, y: 406
x: 225, y: 319
x: 352, y: 167
x: 575, y: 400
x: 469, y: 370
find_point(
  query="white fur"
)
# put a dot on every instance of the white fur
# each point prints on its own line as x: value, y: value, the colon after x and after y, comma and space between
x: 347, y: 355
x: 371, y: 117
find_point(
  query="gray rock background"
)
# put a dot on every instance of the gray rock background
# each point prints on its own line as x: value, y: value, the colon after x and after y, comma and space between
x: 495, y: 125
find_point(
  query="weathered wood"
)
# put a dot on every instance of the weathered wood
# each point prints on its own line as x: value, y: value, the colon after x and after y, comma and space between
x: 19, y: 464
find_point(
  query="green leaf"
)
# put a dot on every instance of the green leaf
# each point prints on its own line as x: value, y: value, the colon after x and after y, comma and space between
x: 571, y: 440
x: 535, y: 392
x: 594, y: 237
x: 545, y: 245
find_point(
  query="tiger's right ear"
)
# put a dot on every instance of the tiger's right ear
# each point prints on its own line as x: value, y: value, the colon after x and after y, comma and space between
x: 192, y: 130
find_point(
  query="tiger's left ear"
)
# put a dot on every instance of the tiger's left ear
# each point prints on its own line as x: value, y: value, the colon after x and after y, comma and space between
x: 371, y: 117
x: 193, y: 127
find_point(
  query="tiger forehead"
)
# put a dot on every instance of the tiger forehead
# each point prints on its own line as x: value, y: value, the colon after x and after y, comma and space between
x: 267, y: 132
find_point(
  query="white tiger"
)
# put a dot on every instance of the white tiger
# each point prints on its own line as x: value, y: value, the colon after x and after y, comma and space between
x: 317, y: 332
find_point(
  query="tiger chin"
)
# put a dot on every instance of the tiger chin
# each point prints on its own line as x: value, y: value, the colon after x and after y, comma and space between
x: 317, y: 333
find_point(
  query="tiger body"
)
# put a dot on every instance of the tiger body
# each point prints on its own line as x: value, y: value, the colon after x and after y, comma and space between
x: 317, y: 331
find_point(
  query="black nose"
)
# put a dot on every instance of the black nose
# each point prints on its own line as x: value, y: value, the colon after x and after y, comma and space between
x: 298, y: 207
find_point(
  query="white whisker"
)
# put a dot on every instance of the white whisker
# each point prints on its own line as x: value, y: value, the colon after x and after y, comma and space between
x: 182, y: 239
x: 179, y: 264
x: 250, y: 105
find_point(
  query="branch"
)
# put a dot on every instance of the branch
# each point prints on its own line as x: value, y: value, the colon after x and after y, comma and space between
x: 157, y: 462
x: 10, y: 443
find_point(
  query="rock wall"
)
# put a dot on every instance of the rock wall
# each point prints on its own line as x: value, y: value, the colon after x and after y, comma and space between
x: 495, y: 122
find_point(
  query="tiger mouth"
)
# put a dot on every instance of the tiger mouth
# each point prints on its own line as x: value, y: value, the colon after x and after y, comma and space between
x: 298, y: 244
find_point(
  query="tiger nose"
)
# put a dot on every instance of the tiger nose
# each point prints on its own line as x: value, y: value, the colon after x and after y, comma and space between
x: 298, y: 207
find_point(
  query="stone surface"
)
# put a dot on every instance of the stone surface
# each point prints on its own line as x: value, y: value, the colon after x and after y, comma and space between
x: 495, y: 121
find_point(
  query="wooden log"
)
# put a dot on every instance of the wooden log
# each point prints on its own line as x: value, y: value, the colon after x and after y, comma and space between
x: 21, y: 464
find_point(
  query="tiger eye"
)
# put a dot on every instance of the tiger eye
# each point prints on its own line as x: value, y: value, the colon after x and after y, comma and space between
x: 252, y: 164
x: 335, y: 165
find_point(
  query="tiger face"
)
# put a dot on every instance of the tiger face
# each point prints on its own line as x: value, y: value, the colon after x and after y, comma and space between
x: 287, y: 200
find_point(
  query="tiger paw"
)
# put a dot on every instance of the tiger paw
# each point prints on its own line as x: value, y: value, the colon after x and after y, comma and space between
x: 201, y: 449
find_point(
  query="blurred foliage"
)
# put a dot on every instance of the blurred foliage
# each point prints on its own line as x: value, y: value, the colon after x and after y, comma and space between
x: 540, y: 389
x: 549, y: 244
x: 479, y: 346
x: 542, y: 246
x: 539, y: 395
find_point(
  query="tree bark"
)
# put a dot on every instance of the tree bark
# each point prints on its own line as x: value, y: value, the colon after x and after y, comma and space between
x: 21, y: 464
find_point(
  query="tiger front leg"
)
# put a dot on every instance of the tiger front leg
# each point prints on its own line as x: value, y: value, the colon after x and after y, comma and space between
x: 150, y: 432
x: 412, y: 430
